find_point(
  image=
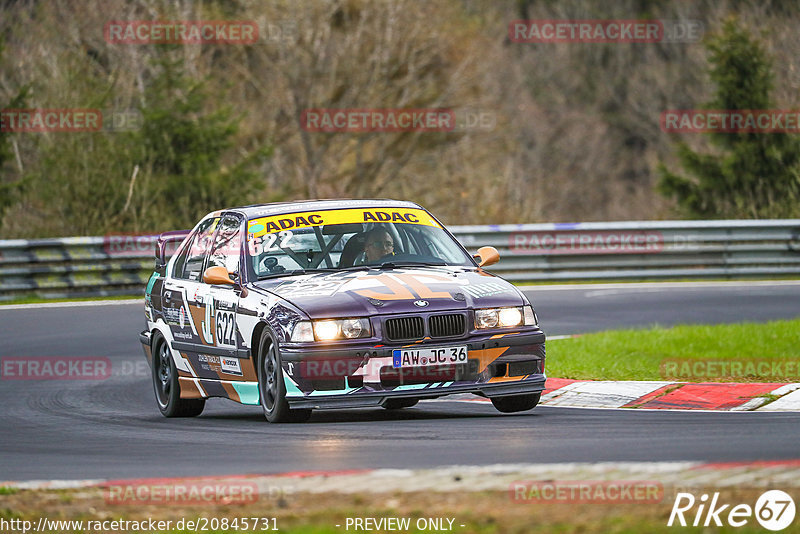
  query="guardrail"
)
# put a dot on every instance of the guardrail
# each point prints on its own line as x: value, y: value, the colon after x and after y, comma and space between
x: 121, y: 265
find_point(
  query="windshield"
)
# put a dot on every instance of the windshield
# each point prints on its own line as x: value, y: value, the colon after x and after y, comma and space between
x: 349, y: 238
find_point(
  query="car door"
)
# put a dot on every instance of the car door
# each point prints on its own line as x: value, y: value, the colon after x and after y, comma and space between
x: 184, y: 292
x: 222, y: 301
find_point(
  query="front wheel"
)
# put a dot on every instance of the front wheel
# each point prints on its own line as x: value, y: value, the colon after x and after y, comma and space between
x: 271, y: 388
x: 167, y: 388
x: 516, y: 403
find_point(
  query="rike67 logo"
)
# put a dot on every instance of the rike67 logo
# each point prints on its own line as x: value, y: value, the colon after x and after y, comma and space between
x: 774, y: 510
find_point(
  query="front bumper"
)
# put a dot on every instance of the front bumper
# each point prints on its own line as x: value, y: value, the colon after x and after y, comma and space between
x: 295, y: 353
x: 378, y: 398
x: 360, y: 375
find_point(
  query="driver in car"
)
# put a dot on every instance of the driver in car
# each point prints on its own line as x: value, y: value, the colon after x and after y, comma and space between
x: 379, y: 243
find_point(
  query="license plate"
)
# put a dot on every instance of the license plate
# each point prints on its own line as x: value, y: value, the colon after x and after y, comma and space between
x: 425, y: 357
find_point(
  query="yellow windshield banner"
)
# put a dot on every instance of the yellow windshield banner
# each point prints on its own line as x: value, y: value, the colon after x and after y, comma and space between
x: 309, y: 219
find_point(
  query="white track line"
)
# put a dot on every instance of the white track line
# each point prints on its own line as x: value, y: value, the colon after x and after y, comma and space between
x: 71, y: 304
x: 660, y: 285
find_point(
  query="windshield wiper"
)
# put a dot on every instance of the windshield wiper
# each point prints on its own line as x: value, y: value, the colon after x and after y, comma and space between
x: 395, y: 264
x: 293, y: 272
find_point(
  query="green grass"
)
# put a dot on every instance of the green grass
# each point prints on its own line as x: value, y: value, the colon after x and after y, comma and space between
x: 5, y: 490
x: 641, y: 354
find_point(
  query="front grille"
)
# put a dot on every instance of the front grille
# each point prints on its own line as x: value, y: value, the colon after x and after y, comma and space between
x: 404, y: 328
x: 447, y: 325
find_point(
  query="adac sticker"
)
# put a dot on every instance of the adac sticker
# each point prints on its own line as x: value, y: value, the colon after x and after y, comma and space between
x: 309, y: 219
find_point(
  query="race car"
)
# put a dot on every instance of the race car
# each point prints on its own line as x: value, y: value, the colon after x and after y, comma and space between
x: 334, y: 304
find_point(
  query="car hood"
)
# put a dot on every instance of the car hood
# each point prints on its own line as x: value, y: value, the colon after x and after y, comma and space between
x: 389, y: 291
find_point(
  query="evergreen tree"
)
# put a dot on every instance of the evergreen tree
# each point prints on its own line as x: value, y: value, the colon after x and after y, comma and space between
x: 750, y: 175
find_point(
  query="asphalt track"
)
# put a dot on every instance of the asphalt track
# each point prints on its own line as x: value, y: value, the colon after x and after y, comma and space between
x: 111, y: 428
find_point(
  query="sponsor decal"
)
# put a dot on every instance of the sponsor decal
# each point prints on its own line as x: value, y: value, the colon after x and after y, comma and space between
x: 486, y: 290
x: 173, y: 316
x: 230, y: 366
x: 269, y: 242
x: 279, y: 223
x: 401, y: 286
x: 182, y: 317
x: 182, y: 335
x: 220, y: 364
x: 324, y: 286
x: 205, y: 324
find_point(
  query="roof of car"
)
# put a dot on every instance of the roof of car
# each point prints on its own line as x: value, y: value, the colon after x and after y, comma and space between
x: 280, y: 208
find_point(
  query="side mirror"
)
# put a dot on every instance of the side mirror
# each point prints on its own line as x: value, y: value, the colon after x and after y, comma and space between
x: 217, y: 276
x: 487, y: 256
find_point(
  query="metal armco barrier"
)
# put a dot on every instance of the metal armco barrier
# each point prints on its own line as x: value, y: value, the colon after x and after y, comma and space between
x: 639, y: 250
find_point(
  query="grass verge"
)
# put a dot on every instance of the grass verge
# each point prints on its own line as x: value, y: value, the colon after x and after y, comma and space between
x: 743, y: 352
x: 485, y: 512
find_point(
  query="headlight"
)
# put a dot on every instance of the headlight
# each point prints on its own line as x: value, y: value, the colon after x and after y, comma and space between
x: 326, y: 330
x: 504, y: 317
x: 331, y: 329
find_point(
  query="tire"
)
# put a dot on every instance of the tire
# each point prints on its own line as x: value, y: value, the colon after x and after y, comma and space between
x: 166, y: 385
x: 396, y: 404
x: 271, y: 388
x: 516, y: 403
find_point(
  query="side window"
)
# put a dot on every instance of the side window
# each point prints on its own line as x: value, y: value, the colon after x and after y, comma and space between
x: 195, y: 252
x: 227, y: 245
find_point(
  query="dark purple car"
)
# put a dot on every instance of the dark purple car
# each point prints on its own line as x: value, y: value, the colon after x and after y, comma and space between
x: 334, y: 304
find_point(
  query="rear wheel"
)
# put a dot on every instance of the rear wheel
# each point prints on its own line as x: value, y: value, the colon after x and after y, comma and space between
x: 396, y: 404
x: 271, y: 387
x: 167, y: 387
x: 516, y: 403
